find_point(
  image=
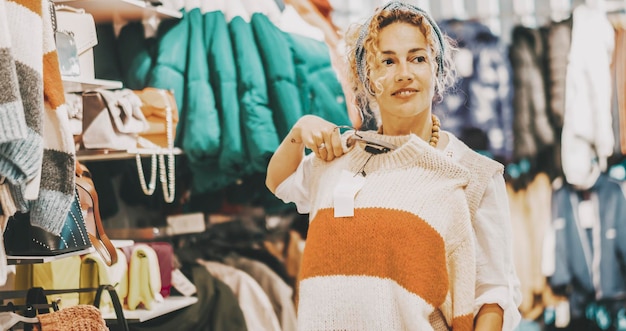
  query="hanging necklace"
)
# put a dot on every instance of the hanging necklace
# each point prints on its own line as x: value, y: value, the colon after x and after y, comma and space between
x: 434, y: 136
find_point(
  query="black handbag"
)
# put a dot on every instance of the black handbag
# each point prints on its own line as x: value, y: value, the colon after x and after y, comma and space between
x: 23, y: 239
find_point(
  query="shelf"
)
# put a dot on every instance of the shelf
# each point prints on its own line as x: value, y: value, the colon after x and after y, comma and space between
x: 110, y: 154
x: 137, y: 234
x: 170, y: 304
x: 12, y: 259
x: 76, y: 84
x: 105, y: 11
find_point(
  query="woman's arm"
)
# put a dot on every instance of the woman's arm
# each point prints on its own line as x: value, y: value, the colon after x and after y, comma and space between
x: 311, y: 132
x: 497, y: 285
x: 490, y: 317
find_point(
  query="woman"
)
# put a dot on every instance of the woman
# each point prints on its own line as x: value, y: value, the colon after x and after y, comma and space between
x: 391, y: 242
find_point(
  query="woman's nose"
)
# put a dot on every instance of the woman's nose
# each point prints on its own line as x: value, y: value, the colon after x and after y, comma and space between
x: 403, y: 73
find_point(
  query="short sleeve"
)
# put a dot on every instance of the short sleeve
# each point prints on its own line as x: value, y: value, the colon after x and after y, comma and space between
x: 296, y: 187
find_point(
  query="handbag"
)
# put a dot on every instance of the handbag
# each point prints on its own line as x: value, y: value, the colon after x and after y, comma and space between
x: 144, y: 278
x: 94, y: 272
x: 112, y: 119
x: 156, y: 104
x: 81, y: 27
x: 90, y: 208
x: 23, y: 239
x: 165, y: 255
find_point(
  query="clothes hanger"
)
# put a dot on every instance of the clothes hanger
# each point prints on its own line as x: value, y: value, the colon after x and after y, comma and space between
x: 372, y: 145
x: 10, y: 319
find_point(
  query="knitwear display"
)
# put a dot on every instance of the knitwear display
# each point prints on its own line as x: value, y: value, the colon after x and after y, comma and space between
x: 75, y: 318
x: 21, y: 100
x: 38, y: 163
x: 407, y: 250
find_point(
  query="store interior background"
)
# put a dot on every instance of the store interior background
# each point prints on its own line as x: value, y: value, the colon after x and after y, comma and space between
x: 244, y: 217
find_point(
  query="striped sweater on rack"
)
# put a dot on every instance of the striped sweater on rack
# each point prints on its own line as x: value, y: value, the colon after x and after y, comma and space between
x: 37, y: 149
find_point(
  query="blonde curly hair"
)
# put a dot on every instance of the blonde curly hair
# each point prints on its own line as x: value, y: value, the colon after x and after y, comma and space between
x: 364, y: 53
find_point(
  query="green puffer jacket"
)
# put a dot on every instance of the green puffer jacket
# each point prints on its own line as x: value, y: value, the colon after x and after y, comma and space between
x: 320, y: 91
x: 261, y: 138
x: 223, y: 79
x: 280, y: 73
x: 299, y: 75
x: 201, y: 138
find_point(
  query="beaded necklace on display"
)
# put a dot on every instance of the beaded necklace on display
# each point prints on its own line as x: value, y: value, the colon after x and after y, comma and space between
x: 434, y: 136
x: 166, y: 175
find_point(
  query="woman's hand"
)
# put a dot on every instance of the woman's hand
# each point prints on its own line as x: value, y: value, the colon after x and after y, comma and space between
x: 318, y: 135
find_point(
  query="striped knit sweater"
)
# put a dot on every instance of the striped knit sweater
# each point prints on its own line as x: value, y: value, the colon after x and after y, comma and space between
x: 407, y: 250
x: 36, y: 144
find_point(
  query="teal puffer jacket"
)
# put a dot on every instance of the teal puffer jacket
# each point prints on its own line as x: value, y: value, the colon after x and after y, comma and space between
x: 259, y: 131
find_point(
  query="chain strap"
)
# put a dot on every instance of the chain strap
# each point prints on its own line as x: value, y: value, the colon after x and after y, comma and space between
x: 167, y: 175
x: 149, y: 189
x: 168, y: 179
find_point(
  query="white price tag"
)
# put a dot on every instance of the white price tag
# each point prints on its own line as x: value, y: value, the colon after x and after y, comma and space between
x: 586, y: 214
x: 347, y: 187
x: 562, y: 317
x: 182, y: 284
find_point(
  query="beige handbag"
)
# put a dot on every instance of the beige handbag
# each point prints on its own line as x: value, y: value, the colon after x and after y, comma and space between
x: 112, y: 119
x: 81, y: 27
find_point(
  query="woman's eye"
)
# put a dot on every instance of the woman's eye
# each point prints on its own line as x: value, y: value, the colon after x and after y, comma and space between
x: 419, y: 59
x: 387, y: 61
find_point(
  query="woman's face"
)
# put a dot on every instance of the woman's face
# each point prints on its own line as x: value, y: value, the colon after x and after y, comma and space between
x: 405, y: 73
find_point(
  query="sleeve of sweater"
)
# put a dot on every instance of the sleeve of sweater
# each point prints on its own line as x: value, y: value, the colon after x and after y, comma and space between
x: 11, y: 111
x: 496, y: 279
x: 20, y: 102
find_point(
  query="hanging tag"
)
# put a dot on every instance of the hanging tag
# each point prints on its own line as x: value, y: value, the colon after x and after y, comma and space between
x: 562, y: 316
x: 182, y: 284
x: 586, y: 214
x: 347, y: 187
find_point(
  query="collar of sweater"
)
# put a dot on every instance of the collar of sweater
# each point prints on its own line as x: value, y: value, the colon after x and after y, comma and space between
x: 411, y: 151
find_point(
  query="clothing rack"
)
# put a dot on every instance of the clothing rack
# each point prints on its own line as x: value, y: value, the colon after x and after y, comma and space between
x: 22, y: 293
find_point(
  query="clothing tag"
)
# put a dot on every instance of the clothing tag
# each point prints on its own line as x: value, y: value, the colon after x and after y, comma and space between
x: 562, y: 316
x: 347, y: 187
x: 586, y: 214
x: 182, y: 284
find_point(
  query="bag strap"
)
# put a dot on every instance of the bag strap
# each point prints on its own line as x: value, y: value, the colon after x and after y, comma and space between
x: 117, y: 305
x: 34, y: 297
x: 99, y: 238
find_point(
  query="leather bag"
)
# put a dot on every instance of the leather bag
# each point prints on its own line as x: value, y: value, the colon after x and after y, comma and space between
x: 23, y: 239
x: 112, y: 119
x: 155, y: 106
x: 91, y: 209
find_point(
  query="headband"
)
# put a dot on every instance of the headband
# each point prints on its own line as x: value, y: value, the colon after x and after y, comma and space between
x: 393, y: 5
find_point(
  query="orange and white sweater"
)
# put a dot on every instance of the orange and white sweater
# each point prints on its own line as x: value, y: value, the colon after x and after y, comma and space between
x: 407, y: 250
